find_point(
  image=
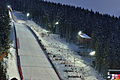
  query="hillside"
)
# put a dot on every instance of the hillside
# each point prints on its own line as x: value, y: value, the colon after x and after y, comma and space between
x: 110, y: 7
x: 4, y: 37
x: 104, y: 29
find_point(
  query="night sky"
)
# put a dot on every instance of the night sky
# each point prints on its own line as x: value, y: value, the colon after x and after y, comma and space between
x: 111, y: 7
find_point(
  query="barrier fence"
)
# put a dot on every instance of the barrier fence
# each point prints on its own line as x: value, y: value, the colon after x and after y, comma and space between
x: 18, y: 58
x: 44, y: 49
x: 40, y: 44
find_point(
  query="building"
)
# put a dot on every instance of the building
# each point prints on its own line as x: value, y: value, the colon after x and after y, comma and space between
x: 83, y: 38
x: 84, y: 44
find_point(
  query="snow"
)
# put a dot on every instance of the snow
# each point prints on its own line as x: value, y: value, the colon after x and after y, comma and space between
x: 10, y: 16
x: 20, y: 17
x: 37, y: 64
x: 12, y: 69
x: 103, y: 6
x: 64, y: 56
x: 83, y: 35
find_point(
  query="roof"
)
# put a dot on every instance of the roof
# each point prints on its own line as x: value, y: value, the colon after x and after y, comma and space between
x: 83, y: 35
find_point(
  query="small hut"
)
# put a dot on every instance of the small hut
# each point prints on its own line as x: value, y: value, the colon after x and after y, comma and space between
x: 84, y: 44
x: 83, y: 38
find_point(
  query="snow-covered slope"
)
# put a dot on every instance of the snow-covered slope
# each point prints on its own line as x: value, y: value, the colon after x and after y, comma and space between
x: 111, y: 7
x: 12, y: 68
x: 64, y: 57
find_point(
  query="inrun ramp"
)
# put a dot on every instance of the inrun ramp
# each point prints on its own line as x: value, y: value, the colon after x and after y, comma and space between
x: 34, y: 63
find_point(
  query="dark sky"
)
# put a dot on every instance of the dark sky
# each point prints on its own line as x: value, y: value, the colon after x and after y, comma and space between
x: 111, y: 7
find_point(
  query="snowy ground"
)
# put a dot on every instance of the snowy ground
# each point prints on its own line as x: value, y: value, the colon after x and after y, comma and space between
x: 68, y: 63
x: 12, y: 69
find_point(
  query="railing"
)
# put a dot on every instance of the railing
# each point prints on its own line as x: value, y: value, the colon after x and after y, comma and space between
x: 18, y: 58
x: 44, y: 49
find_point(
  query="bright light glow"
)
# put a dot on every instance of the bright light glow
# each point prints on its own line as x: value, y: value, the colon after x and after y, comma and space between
x: 8, y: 6
x: 56, y: 23
x: 80, y: 33
x: 92, y: 53
x: 108, y: 77
x: 108, y: 73
x: 28, y: 14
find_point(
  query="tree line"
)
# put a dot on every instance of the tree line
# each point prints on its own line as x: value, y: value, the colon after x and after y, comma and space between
x: 103, y: 28
x: 4, y: 36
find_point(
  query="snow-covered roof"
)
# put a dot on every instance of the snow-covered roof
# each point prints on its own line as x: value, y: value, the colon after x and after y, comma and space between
x: 83, y: 35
